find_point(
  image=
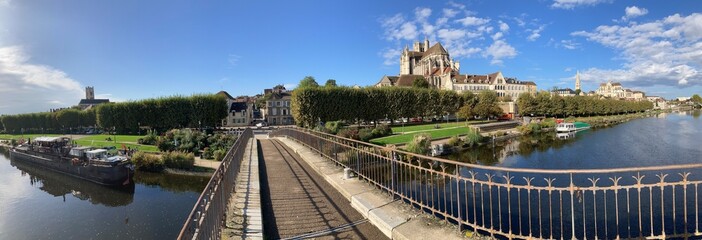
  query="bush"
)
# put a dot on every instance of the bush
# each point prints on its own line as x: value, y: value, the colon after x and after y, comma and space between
x: 351, y: 133
x: 179, y: 160
x: 365, y: 134
x: 147, y: 162
x: 473, y: 137
x: 208, y: 153
x: 383, y: 130
x: 333, y: 126
x: 548, y: 123
x: 530, y: 128
x: 420, y: 144
x: 219, y: 155
x: 150, y: 139
x: 165, y: 145
x: 455, y: 141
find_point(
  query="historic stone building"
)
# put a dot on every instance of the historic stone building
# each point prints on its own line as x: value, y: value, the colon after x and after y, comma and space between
x: 615, y: 90
x: 90, y: 100
x: 434, y: 65
x: 240, y: 111
x: 277, y: 108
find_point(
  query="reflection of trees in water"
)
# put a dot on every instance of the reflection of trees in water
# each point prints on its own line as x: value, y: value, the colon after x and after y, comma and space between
x: 5, y: 152
x: 172, y: 182
x: 59, y: 184
x: 696, y: 114
x: 492, y: 154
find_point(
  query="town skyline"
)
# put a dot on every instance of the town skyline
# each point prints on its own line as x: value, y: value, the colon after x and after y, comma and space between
x: 135, y: 50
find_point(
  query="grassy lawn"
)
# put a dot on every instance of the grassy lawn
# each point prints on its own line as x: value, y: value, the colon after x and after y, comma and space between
x: 94, y: 140
x: 424, y: 127
x: 17, y: 136
x: 404, y: 138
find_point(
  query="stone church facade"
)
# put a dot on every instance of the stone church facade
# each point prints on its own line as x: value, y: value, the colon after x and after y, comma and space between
x: 434, y: 65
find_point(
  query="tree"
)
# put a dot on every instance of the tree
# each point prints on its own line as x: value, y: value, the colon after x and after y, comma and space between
x: 420, y: 83
x: 487, y: 105
x: 577, y: 92
x: 308, y: 82
x: 466, y: 111
x: 696, y: 99
x: 330, y: 83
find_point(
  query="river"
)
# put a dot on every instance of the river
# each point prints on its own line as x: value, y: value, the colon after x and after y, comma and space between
x: 669, y: 138
x: 41, y: 204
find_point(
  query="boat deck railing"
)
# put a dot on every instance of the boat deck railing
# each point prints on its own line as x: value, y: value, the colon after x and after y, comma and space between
x: 517, y: 203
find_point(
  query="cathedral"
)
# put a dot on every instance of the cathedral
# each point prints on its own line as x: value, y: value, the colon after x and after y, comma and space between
x: 434, y: 65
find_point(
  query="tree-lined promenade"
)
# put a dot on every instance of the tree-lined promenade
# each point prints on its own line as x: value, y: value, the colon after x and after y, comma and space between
x: 161, y: 114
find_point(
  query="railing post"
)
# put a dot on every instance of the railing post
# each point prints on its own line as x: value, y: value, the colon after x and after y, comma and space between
x: 393, y: 165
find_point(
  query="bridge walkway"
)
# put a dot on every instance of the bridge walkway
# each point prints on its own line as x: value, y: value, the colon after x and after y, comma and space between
x: 298, y: 203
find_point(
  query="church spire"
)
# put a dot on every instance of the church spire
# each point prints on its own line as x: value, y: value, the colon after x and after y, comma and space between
x: 577, y: 80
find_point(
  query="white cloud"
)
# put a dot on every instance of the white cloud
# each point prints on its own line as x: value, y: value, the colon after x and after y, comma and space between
x: 461, y: 32
x: 497, y: 35
x: 634, y: 11
x: 27, y: 87
x: 665, y: 52
x: 233, y: 59
x: 499, y: 50
x: 570, y: 44
x: 473, y: 21
x: 570, y: 4
x: 568, y: 69
x: 504, y: 27
x: 396, y: 28
x: 391, y: 56
x: 535, y: 33
x: 449, y: 13
x: 422, y: 14
x: 4, y: 3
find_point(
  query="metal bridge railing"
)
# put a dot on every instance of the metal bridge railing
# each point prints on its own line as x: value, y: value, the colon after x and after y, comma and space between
x: 512, y: 203
x: 207, y: 217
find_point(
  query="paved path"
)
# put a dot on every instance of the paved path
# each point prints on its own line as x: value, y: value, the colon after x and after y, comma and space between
x: 299, y: 203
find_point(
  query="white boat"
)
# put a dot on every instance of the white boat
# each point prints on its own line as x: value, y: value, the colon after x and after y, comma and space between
x: 571, y: 127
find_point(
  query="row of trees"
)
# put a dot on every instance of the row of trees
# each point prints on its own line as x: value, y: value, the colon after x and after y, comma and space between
x: 160, y: 114
x: 49, y: 122
x: 313, y: 104
x: 545, y: 104
x: 163, y: 113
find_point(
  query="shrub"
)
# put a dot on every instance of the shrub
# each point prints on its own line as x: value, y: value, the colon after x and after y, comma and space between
x: 208, y: 153
x: 333, y: 126
x: 179, y: 160
x: 349, y: 133
x: 150, y: 139
x: 147, y: 162
x: 530, y: 128
x: 548, y: 123
x: 421, y: 144
x: 384, y: 130
x: 219, y: 155
x: 165, y: 145
x: 455, y: 141
x: 473, y: 137
x: 365, y: 134
x: 13, y: 142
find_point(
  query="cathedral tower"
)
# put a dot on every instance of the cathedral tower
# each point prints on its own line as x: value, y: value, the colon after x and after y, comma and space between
x: 577, y: 81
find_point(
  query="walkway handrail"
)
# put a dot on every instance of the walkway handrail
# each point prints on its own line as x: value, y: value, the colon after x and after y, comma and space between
x: 207, y: 217
x: 527, y: 203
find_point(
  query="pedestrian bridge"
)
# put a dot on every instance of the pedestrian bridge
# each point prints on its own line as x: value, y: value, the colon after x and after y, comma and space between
x: 507, y: 203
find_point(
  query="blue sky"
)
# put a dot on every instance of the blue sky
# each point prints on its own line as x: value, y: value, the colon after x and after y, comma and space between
x: 128, y: 50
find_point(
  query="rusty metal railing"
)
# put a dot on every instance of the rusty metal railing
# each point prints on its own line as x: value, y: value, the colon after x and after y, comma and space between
x: 207, y: 217
x: 513, y: 203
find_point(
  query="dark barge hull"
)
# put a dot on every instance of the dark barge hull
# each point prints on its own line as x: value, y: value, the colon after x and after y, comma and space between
x: 109, y: 175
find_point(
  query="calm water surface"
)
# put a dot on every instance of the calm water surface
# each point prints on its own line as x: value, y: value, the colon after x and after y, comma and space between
x: 672, y: 138
x: 41, y: 204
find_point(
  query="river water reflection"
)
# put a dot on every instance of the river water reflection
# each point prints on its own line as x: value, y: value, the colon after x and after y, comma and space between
x: 41, y: 204
x: 669, y: 138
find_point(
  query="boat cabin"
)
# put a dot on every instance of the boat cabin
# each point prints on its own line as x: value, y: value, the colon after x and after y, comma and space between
x: 96, y: 154
x: 79, y: 152
x: 54, y: 145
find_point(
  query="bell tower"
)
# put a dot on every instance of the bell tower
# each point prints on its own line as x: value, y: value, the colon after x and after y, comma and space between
x: 89, y: 93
